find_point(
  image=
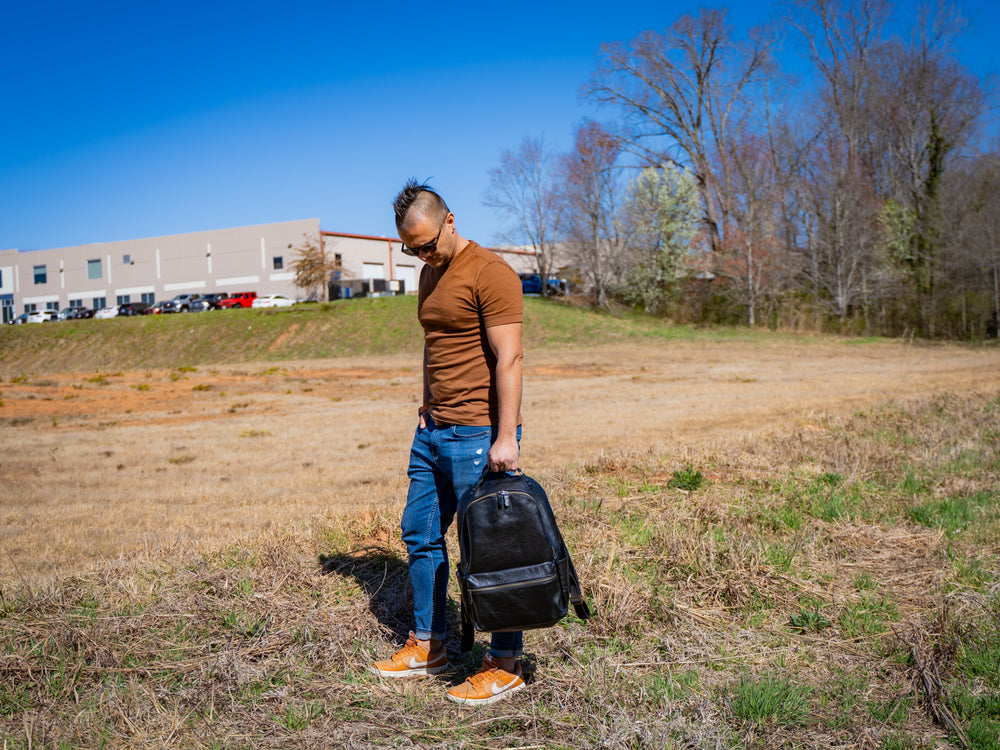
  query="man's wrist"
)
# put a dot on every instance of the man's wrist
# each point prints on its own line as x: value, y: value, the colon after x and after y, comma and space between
x: 507, y: 433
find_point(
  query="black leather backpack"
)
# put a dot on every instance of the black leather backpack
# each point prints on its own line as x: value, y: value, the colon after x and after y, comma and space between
x: 515, y: 572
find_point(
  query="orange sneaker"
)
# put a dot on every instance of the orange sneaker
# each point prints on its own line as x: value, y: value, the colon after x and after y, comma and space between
x: 411, y: 661
x: 489, y: 684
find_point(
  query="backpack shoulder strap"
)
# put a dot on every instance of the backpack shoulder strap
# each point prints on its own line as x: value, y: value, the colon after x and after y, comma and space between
x: 583, y: 611
x: 468, y: 630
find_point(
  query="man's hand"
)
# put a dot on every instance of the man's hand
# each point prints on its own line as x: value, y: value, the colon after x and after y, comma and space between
x: 503, y: 455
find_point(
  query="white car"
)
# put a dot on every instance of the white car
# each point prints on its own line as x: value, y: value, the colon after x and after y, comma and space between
x: 41, y: 316
x: 106, y: 312
x: 35, y: 316
x: 272, y: 300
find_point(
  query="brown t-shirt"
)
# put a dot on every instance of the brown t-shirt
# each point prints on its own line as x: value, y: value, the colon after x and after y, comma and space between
x: 455, y: 306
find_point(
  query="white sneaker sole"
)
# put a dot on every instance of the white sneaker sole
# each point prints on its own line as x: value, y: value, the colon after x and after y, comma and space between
x: 485, y: 701
x: 417, y: 672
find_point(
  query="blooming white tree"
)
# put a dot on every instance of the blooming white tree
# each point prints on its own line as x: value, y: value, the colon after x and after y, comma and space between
x: 663, y: 211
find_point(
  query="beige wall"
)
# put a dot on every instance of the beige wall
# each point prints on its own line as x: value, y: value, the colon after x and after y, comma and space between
x: 220, y: 260
x: 217, y: 260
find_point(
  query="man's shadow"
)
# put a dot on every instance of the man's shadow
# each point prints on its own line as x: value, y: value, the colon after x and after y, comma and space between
x: 383, y: 575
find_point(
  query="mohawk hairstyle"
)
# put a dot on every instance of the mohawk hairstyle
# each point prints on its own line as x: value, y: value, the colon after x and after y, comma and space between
x: 419, y: 199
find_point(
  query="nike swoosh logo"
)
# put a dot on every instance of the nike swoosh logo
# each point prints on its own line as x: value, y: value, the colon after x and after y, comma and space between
x: 496, y: 688
x: 415, y: 663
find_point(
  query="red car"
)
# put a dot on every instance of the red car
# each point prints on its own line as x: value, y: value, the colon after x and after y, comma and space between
x: 239, y: 299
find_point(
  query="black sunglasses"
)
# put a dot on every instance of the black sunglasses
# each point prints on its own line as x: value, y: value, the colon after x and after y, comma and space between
x: 430, y: 247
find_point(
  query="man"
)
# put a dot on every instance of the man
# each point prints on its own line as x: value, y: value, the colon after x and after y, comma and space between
x: 469, y: 305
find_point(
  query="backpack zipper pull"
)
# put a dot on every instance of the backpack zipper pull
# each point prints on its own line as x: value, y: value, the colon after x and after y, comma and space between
x: 503, y: 501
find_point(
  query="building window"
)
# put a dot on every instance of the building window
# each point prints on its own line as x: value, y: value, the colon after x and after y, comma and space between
x: 94, y: 269
x: 1, y: 279
x: 52, y: 306
x: 98, y: 303
x: 149, y: 298
x: 127, y: 259
x: 41, y: 275
x: 75, y: 304
x: 123, y: 299
x: 30, y: 307
x: 279, y: 262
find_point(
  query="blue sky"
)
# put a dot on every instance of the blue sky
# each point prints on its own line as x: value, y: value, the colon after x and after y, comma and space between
x: 123, y: 120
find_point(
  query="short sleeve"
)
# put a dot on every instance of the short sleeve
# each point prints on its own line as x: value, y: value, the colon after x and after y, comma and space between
x: 498, y: 290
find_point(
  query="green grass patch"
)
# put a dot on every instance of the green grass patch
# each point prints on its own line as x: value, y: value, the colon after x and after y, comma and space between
x: 298, y: 716
x: 809, y: 620
x: 770, y: 700
x: 955, y: 514
x: 871, y: 615
x: 675, y: 685
x: 342, y: 328
x: 688, y: 479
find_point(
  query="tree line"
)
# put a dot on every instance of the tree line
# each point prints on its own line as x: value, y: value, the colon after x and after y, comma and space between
x: 860, y: 196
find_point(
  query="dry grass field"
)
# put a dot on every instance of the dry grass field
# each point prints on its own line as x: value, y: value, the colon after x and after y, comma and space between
x: 97, y: 463
x: 789, y: 544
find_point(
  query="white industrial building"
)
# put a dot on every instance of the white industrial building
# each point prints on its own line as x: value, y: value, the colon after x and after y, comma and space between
x: 254, y: 258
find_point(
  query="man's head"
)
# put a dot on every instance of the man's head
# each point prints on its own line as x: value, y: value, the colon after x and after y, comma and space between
x: 415, y: 201
x: 425, y: 224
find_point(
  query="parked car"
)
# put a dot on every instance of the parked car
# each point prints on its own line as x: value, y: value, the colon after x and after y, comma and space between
x: 214, y: 300
x: 128, y: 309
x: 106, y: 312
x: 80, y: 313
x: 36, y: 316
x: 65, y: 313
x: 239, y: 299
x: 154, y: 309
x: 183, y: 303
x: 531, y: 283
x: 272, y: 300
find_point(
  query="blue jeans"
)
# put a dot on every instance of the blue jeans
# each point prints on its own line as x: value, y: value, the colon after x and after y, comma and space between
x: 445, y: 461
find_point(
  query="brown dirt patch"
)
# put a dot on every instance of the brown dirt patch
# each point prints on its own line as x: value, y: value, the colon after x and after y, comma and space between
x: 154, y: 396
x: 97, y: 463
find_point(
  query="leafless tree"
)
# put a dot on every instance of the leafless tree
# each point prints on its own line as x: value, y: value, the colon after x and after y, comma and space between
x: 753, y: 253
x: 843, y: 41
x: 837, y: 182
x: 592, y: 194
x: 683, y: 93
x: 897, y: 115
x: 843, y: 228
x: 525, y: 189
x: 925, y: 112
x: 970, y: 241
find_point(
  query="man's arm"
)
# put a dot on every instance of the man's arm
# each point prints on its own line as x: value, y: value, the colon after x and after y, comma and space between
x: 505, y: 341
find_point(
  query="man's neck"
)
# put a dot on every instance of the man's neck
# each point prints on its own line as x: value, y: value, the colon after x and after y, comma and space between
x: 460, y: 244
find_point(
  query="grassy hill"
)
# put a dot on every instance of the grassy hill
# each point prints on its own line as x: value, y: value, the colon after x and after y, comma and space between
x: 364, y: 327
